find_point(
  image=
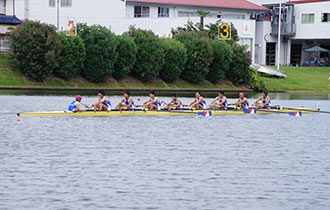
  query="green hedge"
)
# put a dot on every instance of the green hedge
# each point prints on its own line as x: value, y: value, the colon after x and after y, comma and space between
x: 175, y: 55
x: 72, y: 56
x: 200, y: 55
x: 101, y: 53
x: 126, y: 51
x: 221, y: 62
x: 239, y: 68
x: 35, y: 49
x: 149, y: 59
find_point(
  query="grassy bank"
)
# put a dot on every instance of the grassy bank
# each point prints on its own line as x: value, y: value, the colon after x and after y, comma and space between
x: 10, y: 77
x: 300, y: 78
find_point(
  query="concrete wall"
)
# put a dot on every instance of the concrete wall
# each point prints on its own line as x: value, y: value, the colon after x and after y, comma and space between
x: 316, y: 30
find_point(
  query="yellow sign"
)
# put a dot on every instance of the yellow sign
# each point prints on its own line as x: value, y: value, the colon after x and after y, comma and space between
x: 224, y: 31
x: 72, y: 29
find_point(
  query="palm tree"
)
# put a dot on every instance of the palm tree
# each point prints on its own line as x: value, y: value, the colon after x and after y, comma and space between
x: 202, y: 14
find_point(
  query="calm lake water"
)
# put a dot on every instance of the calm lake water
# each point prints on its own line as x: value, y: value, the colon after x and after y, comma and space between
x: 252, y: 162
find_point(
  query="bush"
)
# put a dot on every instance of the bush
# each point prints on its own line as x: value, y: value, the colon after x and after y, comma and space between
x: 254, y: 81
x: 126, y: 51
x: 149, y: 59
x: 221, y: 62
x: 200, y: 55
x: 101, y: 53
x: 35, y: 49
x: 72, y: 56
x: 239, y: 67
x: 175, y: 55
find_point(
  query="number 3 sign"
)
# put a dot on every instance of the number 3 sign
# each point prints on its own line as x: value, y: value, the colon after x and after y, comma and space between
x: 72, y: 29
x: 224, y: 31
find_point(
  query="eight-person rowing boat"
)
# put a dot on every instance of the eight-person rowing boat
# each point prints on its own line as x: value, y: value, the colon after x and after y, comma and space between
x: 153, y: 106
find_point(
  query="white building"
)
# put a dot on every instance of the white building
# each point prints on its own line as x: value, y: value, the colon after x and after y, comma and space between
x: 159, y: 16
x: 7, y: 19
x: 305, y: 24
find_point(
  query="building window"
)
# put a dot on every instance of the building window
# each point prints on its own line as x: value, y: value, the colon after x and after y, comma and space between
x: 66, y: 3
x: 51, y: 3
x: 163, y: 12
x: 141, y: 12
x: 2, y: 7
x: 187, y: 14
x: 308, y: 18
x: 325, y: 17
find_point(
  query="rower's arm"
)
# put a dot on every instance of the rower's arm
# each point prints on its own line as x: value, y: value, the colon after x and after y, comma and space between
x: 224, y: 99
x: 257, y: 101
x: 122, y: 100
x: 268, y: 100
x: 145, y: 103
x: 167, y: 105
x: 130, y: 102
x: 178, y: 103
x: 192, y: 103
x: 214, y: 101
x: 78, y: 105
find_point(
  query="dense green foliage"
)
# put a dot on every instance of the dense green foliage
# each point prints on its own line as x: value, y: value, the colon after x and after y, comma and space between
x: 35, y: 49
x: 126, y: 51
x: 149, y: 59
x: 72, y: 56
x: 200, y: 55
x: 101, y: 45
x: 255, y: 82
x: 239, y: 68
x: 175, y: 55
x: 194, y: 54
x: 222, y: 59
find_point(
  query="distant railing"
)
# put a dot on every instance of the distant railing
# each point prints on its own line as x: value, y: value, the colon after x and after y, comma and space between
x: 286, y: 29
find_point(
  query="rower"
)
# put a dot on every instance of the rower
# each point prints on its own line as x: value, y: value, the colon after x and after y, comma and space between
x: 74, y: 106
x: 153, y: 103
x: 103, y: 104
x: 126, y: 102
x: 199, y: 102
x: 265, y: 101
x: 220, y: 102
x: 175, y: 103
x: 242, y: 102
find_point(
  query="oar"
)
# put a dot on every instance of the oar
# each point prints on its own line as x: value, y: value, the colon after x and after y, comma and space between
x: 307, y: 110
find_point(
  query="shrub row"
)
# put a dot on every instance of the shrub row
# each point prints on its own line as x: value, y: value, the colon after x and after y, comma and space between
x: 97, y: 54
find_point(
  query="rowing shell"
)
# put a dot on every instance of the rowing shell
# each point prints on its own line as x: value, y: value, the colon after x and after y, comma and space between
x: 165, y: 112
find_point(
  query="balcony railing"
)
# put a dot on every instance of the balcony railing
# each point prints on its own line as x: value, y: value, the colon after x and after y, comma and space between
x: 286, y: 29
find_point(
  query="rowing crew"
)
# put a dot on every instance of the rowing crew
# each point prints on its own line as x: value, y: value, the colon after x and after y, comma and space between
x: 153, y: 103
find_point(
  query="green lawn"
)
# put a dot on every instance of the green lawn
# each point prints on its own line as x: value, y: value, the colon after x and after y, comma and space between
x: 300, y: 78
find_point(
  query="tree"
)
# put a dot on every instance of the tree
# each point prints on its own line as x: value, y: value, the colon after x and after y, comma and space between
x: 150, y: 54
x: 72, y: 56
x: 202, y: 14
x: 175, y: 56
x: 200, y: 55
x: 126, y: 51
x: 101, y: 45
x: 35, y: 49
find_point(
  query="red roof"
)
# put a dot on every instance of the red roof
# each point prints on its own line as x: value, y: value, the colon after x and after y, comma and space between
x: 232, y: 4
x: 307, y: 1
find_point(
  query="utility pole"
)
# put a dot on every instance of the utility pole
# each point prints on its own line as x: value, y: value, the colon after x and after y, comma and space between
x: 26, y: 9
x: 58, y: 15
x: 279, y: 37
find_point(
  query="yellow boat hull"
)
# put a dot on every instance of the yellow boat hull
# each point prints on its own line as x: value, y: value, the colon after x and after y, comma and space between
x: 158, y: 113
